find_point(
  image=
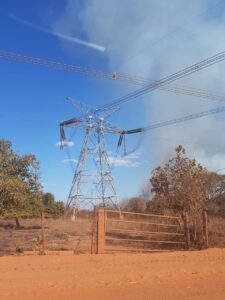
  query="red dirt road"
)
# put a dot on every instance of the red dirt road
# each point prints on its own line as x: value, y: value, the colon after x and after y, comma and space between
x: 177, y: 275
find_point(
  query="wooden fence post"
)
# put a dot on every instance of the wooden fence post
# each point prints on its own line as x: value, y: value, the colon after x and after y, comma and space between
x: 205, y: 229
x: 42, y: 233
x: 187, y: 232
x: 101, y: 231
x: 94, y: 240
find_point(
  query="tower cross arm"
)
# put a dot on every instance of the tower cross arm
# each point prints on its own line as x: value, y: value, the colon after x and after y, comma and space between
x: 111, y: 128
x: 70, y: 122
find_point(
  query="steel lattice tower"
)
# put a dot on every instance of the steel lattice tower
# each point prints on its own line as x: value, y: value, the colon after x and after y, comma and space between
x: 93, y: 183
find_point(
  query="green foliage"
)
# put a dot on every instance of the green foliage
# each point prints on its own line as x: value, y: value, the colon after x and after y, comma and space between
x: 48, y: 199
x: 29, y: 209
x: 52, y: 208
x: 20, y: 189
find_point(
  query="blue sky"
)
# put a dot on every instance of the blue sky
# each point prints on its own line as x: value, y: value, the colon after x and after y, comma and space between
x: 152, y: 40
x: 33, y: 99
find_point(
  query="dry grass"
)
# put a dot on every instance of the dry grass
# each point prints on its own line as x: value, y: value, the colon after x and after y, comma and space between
x: 64, y: 234
x: 60, y: 234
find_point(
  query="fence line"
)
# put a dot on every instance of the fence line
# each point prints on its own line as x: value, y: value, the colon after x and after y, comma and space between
x: 140, y: 236
x: 146, y: 223
x: 145, y: 231
x: 144, y: 241
x: 141, y: 214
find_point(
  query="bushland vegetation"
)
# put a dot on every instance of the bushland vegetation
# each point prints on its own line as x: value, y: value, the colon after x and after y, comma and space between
x: 21, y: 193
x: 182, y: 186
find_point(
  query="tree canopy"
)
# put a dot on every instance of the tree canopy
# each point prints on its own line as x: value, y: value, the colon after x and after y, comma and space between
x: 48, y: 199
x: 215, y: 193
x: 21, y: 193
x: 19, y: 181
x: 184, y: 186
x: 135, y: 204
x: 181, y: 184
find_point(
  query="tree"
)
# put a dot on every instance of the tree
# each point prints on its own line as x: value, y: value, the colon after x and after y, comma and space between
x: 20, y: 189
x: 182, y: 183
x: 180, y: 186
x: 48, y: 199
x: 52, y: 208
x: 215, y: 193
x: 135, y: 204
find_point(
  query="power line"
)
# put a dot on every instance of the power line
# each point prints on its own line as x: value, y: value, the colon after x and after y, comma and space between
x: 177, y: 120
x: 134, y: 80
x: 147, y: 87
x: 169, y: 79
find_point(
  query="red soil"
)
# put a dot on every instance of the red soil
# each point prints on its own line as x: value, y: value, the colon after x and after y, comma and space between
x: 174, y: 275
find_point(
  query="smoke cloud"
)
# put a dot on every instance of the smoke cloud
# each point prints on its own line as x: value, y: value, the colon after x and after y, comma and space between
x: 153, y: 39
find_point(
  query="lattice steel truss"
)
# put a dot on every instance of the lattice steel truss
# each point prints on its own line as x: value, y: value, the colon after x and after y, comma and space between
x: 93, y: 183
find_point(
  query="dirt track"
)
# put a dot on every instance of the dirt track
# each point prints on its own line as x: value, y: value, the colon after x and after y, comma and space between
x: 177, y: 275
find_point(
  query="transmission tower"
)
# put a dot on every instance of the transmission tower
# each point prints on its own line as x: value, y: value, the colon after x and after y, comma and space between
x: 93, y: 183
x: 95, y: 125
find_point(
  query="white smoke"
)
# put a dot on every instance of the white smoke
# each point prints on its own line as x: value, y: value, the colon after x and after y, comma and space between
x: 156, y: 38
x: 128, y: 161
